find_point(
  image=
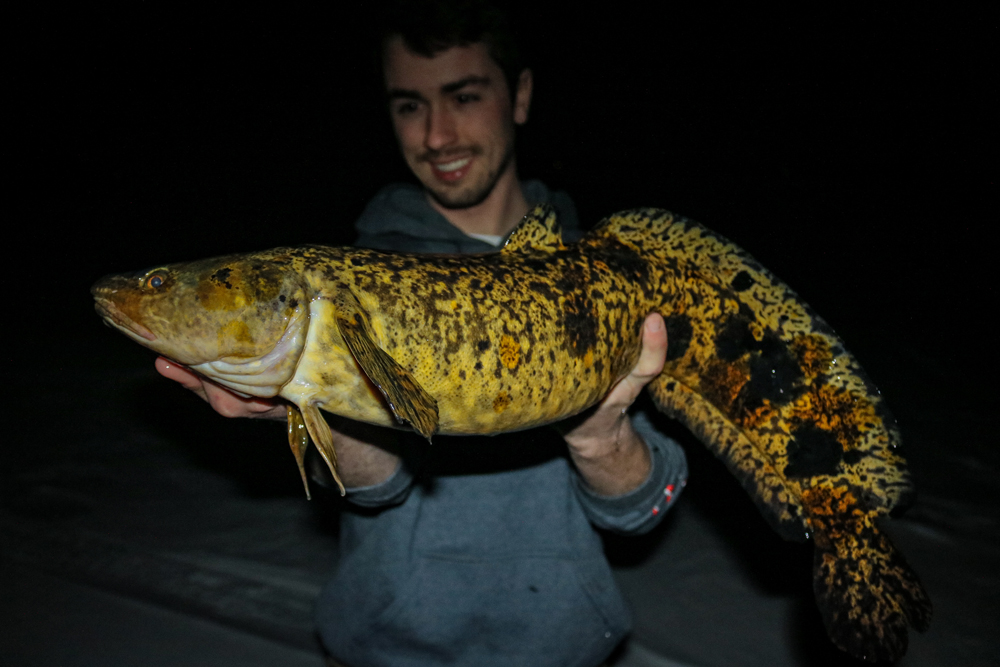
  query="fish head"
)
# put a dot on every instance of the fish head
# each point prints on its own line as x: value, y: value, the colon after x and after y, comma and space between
x: 229, y: 318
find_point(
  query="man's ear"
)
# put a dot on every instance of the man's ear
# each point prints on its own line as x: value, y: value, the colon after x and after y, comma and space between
x: 522, y: 98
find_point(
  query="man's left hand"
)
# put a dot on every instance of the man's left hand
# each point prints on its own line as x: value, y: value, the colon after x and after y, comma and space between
x: 608, y: 453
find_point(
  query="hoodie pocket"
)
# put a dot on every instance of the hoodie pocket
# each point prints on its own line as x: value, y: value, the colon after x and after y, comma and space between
x: 524, y: 611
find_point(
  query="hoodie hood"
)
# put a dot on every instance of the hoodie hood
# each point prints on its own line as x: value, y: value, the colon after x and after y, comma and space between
x: 402, y: 210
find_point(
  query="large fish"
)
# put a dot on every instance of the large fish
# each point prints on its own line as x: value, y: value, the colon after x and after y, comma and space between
x: 542, y: 330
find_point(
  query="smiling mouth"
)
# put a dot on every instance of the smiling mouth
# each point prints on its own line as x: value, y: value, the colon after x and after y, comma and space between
x: 453, y: 165
x: 452, y: 170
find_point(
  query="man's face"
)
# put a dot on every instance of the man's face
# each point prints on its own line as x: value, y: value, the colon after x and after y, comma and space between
x: 454, y: 119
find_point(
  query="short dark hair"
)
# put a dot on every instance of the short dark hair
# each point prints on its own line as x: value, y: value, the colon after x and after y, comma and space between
x: 429, y: 27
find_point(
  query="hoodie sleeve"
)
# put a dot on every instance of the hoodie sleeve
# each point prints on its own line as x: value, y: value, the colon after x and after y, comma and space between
x: 638, y: 511
x: 392, y: 491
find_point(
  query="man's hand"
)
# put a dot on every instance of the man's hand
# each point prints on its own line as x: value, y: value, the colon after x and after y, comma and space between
x: 360, y: 462
x: 223, y: 401
x: 607, y: 452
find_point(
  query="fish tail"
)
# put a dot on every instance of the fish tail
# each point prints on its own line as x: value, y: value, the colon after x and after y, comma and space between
x: 866, y: 592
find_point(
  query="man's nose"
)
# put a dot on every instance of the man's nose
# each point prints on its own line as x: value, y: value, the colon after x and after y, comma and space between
x: 440, y: 129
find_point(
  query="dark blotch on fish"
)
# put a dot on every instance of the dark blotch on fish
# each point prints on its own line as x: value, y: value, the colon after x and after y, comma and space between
x: 742, y: 281
x: 734, y: 340
x: 774, y: 372
x: 813, y: 451
x: 679, y: 333
x: 222, y: 277
x: 544, y: 290
x: 851, y: 457
x: 580, y: 325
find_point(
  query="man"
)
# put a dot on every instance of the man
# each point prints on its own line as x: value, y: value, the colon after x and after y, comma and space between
x: 477, y: 551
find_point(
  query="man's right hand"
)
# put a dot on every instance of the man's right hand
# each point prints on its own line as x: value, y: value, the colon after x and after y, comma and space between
x: 361, y: 461
x: 223, y: 401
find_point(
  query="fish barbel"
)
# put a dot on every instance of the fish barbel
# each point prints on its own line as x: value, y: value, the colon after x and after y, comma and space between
x: 480, y: 344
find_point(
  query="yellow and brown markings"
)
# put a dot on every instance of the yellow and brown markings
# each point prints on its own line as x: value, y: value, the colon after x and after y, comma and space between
x: 540, y: 326
x: 501, y: 402
x: 747, y: 344
x: 510, y: 352
x: 235, y: 337
x: 866, y: 592
x: 744, y: 456
x: 232, y: 308
x: 770, y: 389
x: 722, y: 384
x: 404, y: 395
x: 542, y: 330
x: 539, y: 232
x: 241, y: 283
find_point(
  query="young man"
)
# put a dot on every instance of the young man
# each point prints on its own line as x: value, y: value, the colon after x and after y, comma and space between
x: 478, y: 551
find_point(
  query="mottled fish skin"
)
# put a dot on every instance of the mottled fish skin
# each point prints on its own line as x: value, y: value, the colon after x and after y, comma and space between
x: 769, y: 388
x: 503, y: 341
x: 541, y: 331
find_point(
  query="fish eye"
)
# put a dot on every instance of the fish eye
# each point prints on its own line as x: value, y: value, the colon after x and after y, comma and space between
x: 154, y: 281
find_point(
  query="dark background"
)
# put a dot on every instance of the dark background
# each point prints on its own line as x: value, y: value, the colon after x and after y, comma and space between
x: 852, y: 151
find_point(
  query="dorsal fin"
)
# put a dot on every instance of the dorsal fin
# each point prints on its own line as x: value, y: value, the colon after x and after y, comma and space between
x: 539, y: 231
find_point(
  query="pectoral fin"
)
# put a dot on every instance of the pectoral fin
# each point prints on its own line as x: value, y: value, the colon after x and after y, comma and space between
x: 407, y: 400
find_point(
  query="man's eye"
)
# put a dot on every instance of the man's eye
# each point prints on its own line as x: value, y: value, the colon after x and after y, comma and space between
x: 406, y: 108
x: 465, y: 98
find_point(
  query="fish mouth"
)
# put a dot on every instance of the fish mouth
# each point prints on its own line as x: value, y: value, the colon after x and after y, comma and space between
x: 113, y: 316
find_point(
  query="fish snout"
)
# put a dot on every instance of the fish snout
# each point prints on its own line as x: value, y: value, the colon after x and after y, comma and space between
x: 114, y: 317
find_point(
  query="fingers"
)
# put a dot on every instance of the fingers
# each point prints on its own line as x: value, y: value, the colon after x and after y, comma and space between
x: 228, y: 404
x: 654, y: 349
x: 187, y: 379
x: 221, y: 399
x: 603, y: 429
x: 650, y: 364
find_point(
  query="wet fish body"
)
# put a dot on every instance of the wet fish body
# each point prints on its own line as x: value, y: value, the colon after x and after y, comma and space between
x: 541, y: 331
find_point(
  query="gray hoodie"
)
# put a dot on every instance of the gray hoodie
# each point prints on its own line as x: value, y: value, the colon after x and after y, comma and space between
x: 481, y: 551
